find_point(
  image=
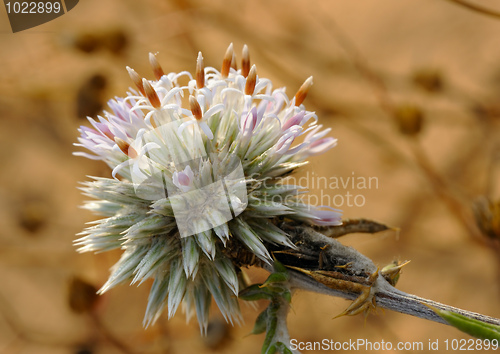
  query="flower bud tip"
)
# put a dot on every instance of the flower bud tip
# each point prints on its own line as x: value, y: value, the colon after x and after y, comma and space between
x: 157, y: 70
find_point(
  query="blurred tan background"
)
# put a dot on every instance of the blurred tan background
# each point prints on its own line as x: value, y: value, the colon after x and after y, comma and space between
x: 410, y: 88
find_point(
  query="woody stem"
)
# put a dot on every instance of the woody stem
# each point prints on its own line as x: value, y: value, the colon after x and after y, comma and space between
x: 390, y: 298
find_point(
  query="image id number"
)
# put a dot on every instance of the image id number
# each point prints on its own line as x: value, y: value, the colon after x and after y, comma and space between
x: 33, y: 7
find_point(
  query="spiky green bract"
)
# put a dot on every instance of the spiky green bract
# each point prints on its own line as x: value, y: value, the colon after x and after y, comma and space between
x: 202, y: 184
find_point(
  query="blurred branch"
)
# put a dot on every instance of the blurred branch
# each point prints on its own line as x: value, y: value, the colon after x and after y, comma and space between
x: 443, y: 189
x: 110, y: 337
x: 27, y: 335
x: 83, y: 299
x: 24, y: 334
x: 361, y: 64
x: 476, y: 8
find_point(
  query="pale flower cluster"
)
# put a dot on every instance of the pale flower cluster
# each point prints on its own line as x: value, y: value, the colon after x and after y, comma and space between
x: 188, y: 156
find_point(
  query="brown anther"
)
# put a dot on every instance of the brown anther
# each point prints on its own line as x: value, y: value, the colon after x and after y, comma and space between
x: 151, y: 94
x: 152, y: 121
x: 126, y: 148
x: 251, y: 81
x: 226, y: 62
x: 157, y: 70
x: 245, y: 61
x: 200, y: 72
x: 109, y: 135
x: 301, y: 94
x: 195, y: 108
x: 233, y: 62
x: 136, y: 79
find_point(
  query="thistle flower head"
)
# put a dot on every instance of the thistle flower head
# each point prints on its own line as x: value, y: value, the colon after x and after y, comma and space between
x: 201, y: 190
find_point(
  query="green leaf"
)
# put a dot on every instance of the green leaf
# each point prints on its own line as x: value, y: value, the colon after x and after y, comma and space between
x: 283, y: 348
x: 276, y: 278
x: 271, y: 349
x: 260, y: 323
x: 279, y: 268
x: 272, y: 324
x: 255, y: 292
x: 287, y: 295
x: 275, y: 289
x: 278, y: 347
x: 470, y: 326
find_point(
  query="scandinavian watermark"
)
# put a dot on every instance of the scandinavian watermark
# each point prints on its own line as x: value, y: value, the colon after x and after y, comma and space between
x: 335, y: 191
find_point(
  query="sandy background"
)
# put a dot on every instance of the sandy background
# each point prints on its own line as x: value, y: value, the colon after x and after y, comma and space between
x: 435, y: 58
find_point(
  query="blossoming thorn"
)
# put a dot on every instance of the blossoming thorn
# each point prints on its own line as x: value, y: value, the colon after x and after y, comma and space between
x: 136, y: 79
x: 200, y: 72
x: 245, y: 61
x: 226, y: 62
x: 251, y: 81
x: 301, y: 94
x: 157, y: 70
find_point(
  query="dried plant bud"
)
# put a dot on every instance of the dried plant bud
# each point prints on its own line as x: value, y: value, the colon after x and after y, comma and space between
x: 226, y: 62
x: 409, y: 119
x: 151, y: 94
x: 218, y: 334
x: 157, y: 70
x: 126, y: 148
x: 429, y: 80
x: 136, y: 79
x: 89, y: 99
x: 200, y: 72
x: 116, y: 41
x: 245, y: 61
x: 87, y: 42
x: 487, y: 215
x: 82, y: 296
x: 392, y: 271
x: 301, y: 94
x: 251, y: 81
x: 33, y: 215
x: 195, y: 108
